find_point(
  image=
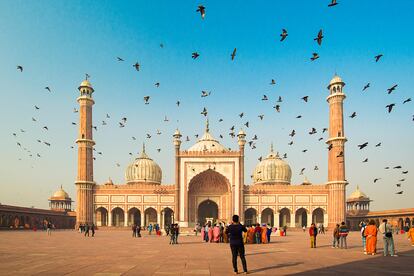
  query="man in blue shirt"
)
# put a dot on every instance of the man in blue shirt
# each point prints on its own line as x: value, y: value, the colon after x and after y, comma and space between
x: 235, y: 234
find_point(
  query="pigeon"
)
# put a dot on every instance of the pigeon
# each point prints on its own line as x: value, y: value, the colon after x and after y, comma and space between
x: 47, y: 144
x: 247, y: 124
x: 324, y: 130
x: 366, y: 87
x: 241, y: 115
x: 398, y: 184
x: 204, y: 112
x: 402, y: 180
x: 315, y: 56
x: 330, y: 146
x: 37, y: 108
x: 205, y: 94
x: 316, y: 168
x: 378, y: 145
x: 305, y: 98
x: 34, y: 119
x: 202, y: 10
x: 279, y: 100
x: 134, y: 138
x: 46, y: 128
x: 264, y: 98
x: 390, y: 106
x: 353, y: 115
x: 107, y: 116
x: 73, y: 123
x: 333, y: 3
x: 292, y: 133
x: 407, y: 100
x: 159, y: 150
x: 157, y: 84
x: 195, y: 55
x: 277, y: 107
x: 299, y: 116
x: 272, y: 82
x: 48, y: 88
x: 319, y: 37
x: 124, y: 119
x: 283, y: 35
x: 290, y: 143
x: 313, y: 131
x: 146, y: 99
x: 158, y: 132
x: 305, y: 150
x: 377, y: 57
x: 301, y: 171
x: 386, y: 168
x: 233, y: 54
x: 75, y: 110
x: 103, y: 123
x: 397, y: 167
x: 392, y: 88
x: 320, y: 139
x: 405, y: 172
x: 136, y: 66
x: 121, y: 124
x: 148, y: 136
x: 363, y: 145
x: 178, y: 103
x: 19, y: 67
x: 376, y: 179
x: 399, y: 193
x: 365, y: 160
x: 261, y: 116
x: 119, y: 59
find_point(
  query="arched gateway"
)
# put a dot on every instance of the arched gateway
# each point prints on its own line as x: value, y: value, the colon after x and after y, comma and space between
x: 209, y: 198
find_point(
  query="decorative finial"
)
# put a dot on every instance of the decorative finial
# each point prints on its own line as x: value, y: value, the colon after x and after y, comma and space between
x: 357, y: 187
x: 207, y: 126
x: 143, y: 147
x: 61, y: 187
x: 87, y: 76
x: 271, y: 147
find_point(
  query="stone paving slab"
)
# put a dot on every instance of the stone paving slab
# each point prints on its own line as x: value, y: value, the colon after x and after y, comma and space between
x: 117, y: 253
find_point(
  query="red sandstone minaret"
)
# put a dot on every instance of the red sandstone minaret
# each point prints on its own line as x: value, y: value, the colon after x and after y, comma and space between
x: 336, y: 154
x: 84, y: 181
x: 177, y: 142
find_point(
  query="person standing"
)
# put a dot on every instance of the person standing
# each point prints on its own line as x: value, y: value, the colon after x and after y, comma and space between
x: 138, y: 231
x: 410, y: 235
x: 172, y: 234
x: 210, y: 232
x: 86, y: 229
x: 387, y: 238
x: 284, y: 230
x: 371, y: 233
x: 149, y: 229
x: 216, y: 233
x: 343, y: 233
x: 257, y: 233
x: 221, y: 238
x: 313, y: 232
x: 269, y: 232
x: 134, y: 231
x: 93, y: 229
x: 335, y: 242
x: 176, y: 232
x: 49, y: 228
x: 234, y: 232
x: 364, y: 239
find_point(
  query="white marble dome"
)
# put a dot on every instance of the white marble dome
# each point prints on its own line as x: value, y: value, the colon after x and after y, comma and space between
x: 208, y: 143
x: 143, y: 169
x: 272, y: 170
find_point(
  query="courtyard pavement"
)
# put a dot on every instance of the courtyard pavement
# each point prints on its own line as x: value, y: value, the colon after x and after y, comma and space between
x: 117, y: 253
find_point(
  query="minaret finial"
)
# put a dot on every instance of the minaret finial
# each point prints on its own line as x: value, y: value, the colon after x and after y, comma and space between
x: 207, y: 126
x: 143, y: 147
x: 87, y: 76
x: 271, y: 147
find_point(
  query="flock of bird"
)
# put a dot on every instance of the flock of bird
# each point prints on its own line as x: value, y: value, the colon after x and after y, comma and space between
x: 122, y: 123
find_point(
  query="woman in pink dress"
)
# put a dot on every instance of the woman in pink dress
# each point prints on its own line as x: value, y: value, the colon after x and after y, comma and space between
x: 210, y: 232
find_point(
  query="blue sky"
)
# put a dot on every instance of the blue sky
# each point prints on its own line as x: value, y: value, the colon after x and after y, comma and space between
x: 57, y: 42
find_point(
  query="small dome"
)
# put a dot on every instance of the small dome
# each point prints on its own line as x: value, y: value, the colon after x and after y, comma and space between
x: 241, y: 133
x: 357, y: 194
x: 87, y: 84
x: 336, y: 80
x: 143, y: 169
x: 177, y: 133
x: 61, y: 194
x: 272, y: 170
x: 207, y: 143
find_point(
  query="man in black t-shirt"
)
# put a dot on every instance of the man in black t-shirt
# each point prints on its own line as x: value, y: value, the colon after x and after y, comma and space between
x: 235, y: 234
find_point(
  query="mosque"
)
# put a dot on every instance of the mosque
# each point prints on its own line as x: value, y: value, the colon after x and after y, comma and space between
x: 209, y: 181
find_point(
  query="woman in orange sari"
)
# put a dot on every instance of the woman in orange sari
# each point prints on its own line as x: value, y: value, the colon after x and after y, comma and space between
x: 370, y: 233
x: 264, y: 233
x: 250, y: 235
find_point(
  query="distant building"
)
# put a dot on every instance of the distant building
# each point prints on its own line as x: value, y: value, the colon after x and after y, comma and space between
x: 358, y: 211
x: 209, y: 181
x: 60, y: 215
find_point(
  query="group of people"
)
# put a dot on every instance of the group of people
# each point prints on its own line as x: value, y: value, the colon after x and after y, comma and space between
x: 173, y: 231
x: 86, y: 228
x: 212, y: 233
x: 136, y: 231
x: 155, y: 227
x: 370, y: 233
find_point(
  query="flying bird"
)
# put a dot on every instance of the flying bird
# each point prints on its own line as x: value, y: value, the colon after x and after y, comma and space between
x: 319, y: 37
x: 353, y: 115
x: 37, y: 108
x: 157, y: 84
x: 376, y: 179
x: 365, y: 160
x: 264, y: 98
x: 404, y: 172
x: 363, y: 145
x: 277, y: 107
x: 399, y: 193
x: 19, y: 67
x: 390, y: 106
x: 292, y: 133
x: 392, y: 88
x: 146, y: 99
x: 366, y: 87
x: 119, y: 59
x: 205, y: 94
x: 195, y: 55
x: 261, y: 116
x: 204, y: 112
x: 272, y: 82
x: 279, y: 100
x: 283, y: 35
x: 202, y: 10
x: 378, y: 145
x: 136, y: 66
x: 333, y: 3
x: 314, y: 57
x: 407, y: 100
x: 233, y: 54
x: 377, y: 57
x: 305, y: 98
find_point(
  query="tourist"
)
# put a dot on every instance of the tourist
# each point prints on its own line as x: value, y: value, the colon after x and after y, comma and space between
x: 235, y: 231
x: 157, y: 229
x: 364, y: 239
x: 221, y: 238
x: 343, y: 233
x: 134, y: 231
x: 225, y: 235
x: 258, y: 233
x: 322, y: 229
x: 387, y: 238
x: 284, y: 230
x: 167, y: 230
x: 86, y: 230
x: 80, y: 228
x: 172, y: 234
x: 410, y: 234
x: 216, y: 233
x: 269, y: 232
x: 210, y: 232
x: 93, y: 229
x: 371, y: 233
x: 195, y: 228
x: 250, y: 235
x: 304, y: 228
x: 264, y: 233
x: 313, y: 232
x: 49, y: 228
x: 335, y: 242
x: 149, y: 229
x: 138, y: 231
x: 206, y: 228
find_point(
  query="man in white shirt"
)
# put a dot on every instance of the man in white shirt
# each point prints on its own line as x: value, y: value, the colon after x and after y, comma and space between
x: 386, y: 231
